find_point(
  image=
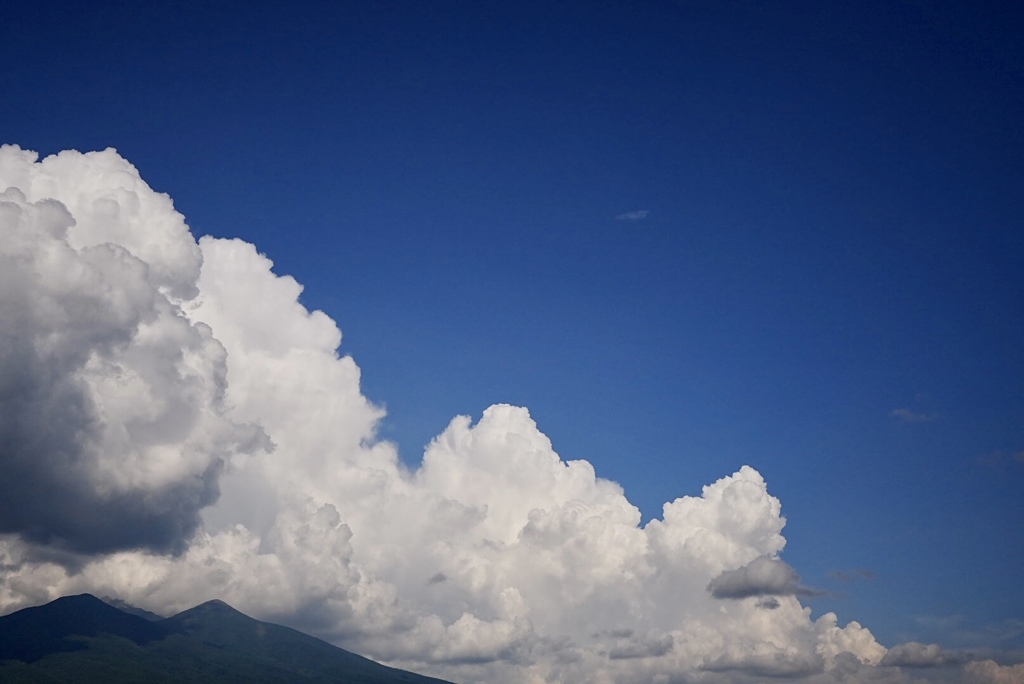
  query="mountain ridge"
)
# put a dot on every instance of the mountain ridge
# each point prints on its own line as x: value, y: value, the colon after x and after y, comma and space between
x: 82, y: 639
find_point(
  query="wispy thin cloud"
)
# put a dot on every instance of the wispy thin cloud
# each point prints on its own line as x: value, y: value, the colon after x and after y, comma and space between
x: 847, y: 576
x: 638, y: 215
x: 907, y: 415
x: 997, y: 459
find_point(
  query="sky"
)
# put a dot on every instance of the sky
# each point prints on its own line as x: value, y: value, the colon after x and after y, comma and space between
x: 679, y: 341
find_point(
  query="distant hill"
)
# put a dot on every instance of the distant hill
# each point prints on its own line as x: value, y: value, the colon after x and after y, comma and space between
x: 83, y: 640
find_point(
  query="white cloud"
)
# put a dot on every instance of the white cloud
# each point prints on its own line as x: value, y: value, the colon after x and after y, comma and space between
x: 638, y: 215
x: 114, y: 427
x: 495, y: 560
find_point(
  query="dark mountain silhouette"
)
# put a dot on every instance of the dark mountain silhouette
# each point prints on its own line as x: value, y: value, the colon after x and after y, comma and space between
x: 83, y: 640
x: 59, y: 626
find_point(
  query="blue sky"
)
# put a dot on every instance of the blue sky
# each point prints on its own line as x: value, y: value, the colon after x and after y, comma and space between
x: 688, y: 236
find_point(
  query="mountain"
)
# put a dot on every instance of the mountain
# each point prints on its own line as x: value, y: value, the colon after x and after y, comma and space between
x: 83, y: 640
x: 123, y: 605
x: 60, y: 626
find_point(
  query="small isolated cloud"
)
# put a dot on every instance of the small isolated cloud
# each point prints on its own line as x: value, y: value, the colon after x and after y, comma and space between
x: 907, y: 415
x: 916, y: 654
x: 763, y: 576
x: 847, y: 576
x: 638, y: 215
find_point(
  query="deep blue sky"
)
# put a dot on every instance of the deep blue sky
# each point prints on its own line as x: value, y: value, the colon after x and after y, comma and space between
x: 835, y: 231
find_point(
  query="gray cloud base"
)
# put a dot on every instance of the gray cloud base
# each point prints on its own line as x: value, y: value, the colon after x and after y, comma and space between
x: 763, y: 576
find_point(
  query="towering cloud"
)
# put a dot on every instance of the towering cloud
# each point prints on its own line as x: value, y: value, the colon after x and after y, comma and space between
x: 175, y: 426
x: 114, y: 428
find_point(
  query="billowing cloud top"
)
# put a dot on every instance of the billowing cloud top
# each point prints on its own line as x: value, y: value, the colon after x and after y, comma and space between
x: 175, y: 426
x: 114, y: 427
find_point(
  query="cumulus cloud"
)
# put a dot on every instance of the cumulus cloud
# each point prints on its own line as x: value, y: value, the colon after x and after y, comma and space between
x: 113, y: 428
x: 175, y: 418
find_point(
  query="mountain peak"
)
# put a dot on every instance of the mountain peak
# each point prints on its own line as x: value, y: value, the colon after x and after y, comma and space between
x: 215, y: 604
x: 215, y: 610
x: 73, y: 600
x: 32, y: 633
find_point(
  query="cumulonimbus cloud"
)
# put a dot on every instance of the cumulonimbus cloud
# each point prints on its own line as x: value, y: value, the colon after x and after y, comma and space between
x: 175, y: 419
